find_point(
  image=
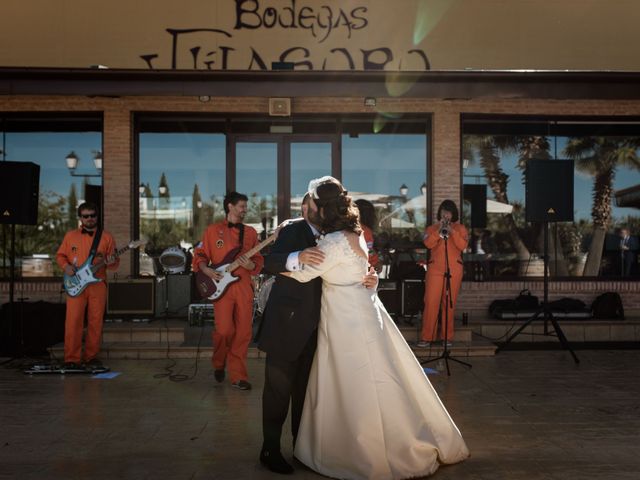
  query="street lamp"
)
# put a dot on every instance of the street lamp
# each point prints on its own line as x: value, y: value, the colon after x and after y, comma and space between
x: 404, y: 190
x: 423, y: 188
x: 72, y: 160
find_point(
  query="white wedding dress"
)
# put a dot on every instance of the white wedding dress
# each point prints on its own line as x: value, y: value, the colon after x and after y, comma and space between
x: 370, y: 412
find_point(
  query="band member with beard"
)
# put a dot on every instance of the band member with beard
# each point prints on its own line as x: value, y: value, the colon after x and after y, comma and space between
x: 233, y: 311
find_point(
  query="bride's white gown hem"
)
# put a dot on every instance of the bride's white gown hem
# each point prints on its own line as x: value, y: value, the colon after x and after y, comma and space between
x: 370, y: 412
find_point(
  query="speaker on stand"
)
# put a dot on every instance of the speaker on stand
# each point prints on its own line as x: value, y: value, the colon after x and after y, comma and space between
x: 19, y: 192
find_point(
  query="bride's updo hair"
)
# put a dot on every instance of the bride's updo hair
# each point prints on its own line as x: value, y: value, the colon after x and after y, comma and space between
x: 338, y: 212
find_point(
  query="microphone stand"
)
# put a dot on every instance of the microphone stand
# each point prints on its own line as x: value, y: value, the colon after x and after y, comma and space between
x: 446, y: 353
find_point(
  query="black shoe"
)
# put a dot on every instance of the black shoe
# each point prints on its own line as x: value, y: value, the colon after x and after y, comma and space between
x: 93, y: 364
x: 219, y: 375
x: 241, y: 385
x: 71, y: 366
x: 275, y: 462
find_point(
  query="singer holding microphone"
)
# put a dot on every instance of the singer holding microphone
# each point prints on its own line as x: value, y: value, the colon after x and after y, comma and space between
x: 445, y: 238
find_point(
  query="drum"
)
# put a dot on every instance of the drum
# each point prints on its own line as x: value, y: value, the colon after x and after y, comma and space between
x: 173, y: 260
x: 263, y: 292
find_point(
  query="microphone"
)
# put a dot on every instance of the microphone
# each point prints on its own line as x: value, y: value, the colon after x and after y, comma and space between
x: 445, y: 229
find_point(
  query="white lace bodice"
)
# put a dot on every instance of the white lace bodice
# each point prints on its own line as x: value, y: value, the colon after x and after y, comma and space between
x: 341, y: 266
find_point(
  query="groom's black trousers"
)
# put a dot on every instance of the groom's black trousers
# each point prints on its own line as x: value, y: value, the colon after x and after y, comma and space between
x: 285, y: 381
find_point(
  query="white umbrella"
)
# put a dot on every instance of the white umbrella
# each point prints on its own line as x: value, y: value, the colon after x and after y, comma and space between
x: 498, y: 207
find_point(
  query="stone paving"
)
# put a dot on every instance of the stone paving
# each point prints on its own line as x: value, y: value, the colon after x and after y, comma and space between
x: 524, y: 414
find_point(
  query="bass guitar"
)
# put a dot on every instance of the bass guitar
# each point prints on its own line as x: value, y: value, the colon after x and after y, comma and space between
x: 214, y: 289
x: 84, y: 276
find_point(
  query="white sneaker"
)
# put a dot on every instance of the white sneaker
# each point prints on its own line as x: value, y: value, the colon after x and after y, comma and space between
x: 423, y: 344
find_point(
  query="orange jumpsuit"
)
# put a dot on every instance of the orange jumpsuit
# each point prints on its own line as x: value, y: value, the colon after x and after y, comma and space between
x: 435, y: 278
x: 368, y: 237
x: 233, y: 311
x: 75, y: 250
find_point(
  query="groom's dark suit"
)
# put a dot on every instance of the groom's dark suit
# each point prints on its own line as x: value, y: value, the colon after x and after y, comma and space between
x: 288, y: 336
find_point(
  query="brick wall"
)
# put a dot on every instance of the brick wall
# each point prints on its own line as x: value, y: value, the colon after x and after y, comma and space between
x: 475, y: 297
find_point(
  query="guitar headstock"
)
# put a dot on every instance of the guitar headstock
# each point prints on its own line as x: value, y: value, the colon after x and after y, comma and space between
x: 137, y: 243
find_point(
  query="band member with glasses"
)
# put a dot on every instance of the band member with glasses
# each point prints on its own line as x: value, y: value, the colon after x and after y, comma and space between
x: 233, y: 311
x: 71, y: 255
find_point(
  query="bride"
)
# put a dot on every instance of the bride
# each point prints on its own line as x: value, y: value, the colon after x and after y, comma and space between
x: 370, y: 412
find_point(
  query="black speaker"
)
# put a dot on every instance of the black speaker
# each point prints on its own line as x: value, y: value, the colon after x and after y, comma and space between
x: 179, y: 294
x: 412, y: 297
x: 389, y: 296
x: 476, y: 195
x: 549, y: 191
x: 19, y: 188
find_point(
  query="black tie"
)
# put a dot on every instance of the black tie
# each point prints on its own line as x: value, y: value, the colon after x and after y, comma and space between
x: 234, y: 225
x: 87, y: 232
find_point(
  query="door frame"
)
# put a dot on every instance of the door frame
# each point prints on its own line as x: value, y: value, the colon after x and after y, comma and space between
x: 283, y: 174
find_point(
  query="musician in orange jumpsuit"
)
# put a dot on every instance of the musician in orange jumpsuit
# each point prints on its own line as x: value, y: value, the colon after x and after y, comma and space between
x: 457, y: 237
x: 73, y: 252
x: 233, y: 311
x: 367, y: 222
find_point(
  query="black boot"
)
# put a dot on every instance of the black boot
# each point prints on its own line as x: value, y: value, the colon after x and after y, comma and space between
x: 275, y: 462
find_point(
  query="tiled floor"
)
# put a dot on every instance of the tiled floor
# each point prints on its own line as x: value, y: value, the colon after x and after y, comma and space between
x: 525, y: 415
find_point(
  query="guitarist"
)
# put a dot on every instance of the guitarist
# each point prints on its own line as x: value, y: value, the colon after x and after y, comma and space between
x: 73, y: 252
x: 233, y: 311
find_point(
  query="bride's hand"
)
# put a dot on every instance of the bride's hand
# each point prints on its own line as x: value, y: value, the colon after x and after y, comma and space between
x: 370, y: 280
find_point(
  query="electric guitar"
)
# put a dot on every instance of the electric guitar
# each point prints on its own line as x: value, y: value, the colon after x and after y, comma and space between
x: 84, y: 276
x: 214, y: 289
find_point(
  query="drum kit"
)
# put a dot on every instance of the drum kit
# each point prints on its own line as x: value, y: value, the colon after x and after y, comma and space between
x: 175, y: 260
x: 261, y: 289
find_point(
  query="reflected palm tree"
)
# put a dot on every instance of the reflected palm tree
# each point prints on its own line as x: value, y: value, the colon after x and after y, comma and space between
x: 488, y: 149
x: 599, y: 157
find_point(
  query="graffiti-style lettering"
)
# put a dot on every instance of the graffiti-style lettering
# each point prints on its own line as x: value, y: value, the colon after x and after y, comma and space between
x: 285, y: 57
x: 321, y: 22
x: 369, y: 64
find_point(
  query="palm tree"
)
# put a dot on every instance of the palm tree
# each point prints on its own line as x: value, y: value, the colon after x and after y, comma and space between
x: 599, y: 156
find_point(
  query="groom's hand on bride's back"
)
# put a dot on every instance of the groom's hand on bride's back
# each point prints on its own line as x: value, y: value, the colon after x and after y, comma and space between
x: 311, y: 256
x: 370, y: 280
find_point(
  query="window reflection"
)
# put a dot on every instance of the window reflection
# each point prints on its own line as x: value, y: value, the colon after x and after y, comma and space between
x: 390, y: 171
x: 60, y: 193
x: 182, y: 184
x: 308, y: 161
x: 606, y: 162
x: 257, y: 178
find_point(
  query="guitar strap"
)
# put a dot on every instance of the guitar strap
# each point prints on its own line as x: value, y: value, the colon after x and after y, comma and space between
x: 241, y: 236
x: 96, y: 242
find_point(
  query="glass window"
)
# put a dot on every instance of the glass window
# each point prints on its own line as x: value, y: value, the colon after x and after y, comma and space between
x: 606, y: 174
x: 308, y: 161
x: 181, y: 188
x: 390, y: 172
x: 257, y: 178
x: 61, y: 191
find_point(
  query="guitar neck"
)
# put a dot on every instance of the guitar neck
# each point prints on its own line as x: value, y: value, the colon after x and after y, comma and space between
x: 250, y: 253
x: 101, y: 263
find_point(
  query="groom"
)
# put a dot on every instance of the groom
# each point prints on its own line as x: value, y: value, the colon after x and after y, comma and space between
x: 289, y: 330
x: 288, y: 334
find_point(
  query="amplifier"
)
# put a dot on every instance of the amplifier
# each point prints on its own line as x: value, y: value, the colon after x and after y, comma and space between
x: 131, y: 297
x: 389, y: 296
x: 412, y: 294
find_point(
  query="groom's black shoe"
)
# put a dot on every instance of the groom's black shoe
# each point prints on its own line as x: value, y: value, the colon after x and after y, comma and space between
x: 275, y: 462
